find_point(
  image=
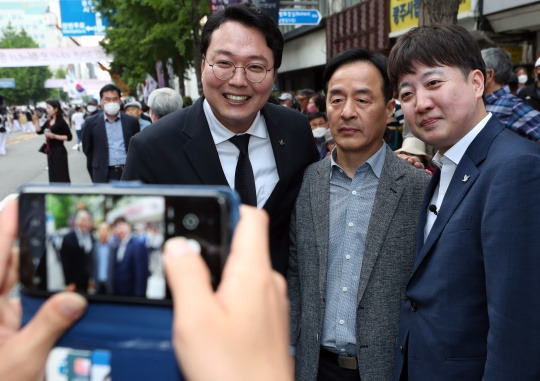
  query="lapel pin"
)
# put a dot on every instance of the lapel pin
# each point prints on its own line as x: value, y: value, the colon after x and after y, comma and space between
x: 281, y: 142
x: 466, y: 178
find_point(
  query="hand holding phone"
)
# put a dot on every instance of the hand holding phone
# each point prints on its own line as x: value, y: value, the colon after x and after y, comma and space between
x: 247, y: 317
x: 25, y: 351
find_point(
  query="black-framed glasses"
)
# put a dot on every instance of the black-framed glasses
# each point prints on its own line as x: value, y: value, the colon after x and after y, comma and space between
x: 224, y: 70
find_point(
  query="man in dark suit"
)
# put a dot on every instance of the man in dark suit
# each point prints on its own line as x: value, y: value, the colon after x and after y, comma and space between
x: 472, y: 306
x: 105, y: 137
x: 76, y: 253
x: 241, y: 48
x: 131, y: 272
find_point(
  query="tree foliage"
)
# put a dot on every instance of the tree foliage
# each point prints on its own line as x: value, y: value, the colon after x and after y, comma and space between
x: 29, y: 81
x: 142, y: 32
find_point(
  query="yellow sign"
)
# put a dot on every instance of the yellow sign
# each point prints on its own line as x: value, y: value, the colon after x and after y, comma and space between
x: 404, y: 14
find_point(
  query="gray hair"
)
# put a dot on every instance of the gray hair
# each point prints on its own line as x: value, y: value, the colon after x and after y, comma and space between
x: 500, y: 62
x: 163, y: 101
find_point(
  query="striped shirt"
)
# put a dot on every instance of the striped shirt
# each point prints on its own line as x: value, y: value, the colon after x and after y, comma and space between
x: 514, y: 113
x: 351, y: 202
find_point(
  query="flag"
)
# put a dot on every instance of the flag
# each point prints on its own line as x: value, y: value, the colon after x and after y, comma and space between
x: 150, y: 85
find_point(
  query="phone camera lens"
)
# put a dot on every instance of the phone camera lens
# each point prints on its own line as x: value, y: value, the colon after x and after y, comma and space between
x: 190, y: 221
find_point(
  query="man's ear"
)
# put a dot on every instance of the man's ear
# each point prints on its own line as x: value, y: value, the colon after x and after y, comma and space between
x: 390, y: 110
x: 478, y: 81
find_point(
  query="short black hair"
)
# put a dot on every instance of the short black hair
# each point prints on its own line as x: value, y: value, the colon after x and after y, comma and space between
x: 359, y: 55
x: 317, y: 114
x: 109, y: 87
x: 250, y: 16
x: 432, y: 46
x: 118, y: 220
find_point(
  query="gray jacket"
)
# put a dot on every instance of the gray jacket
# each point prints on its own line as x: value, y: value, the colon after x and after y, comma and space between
x: 387, y: 264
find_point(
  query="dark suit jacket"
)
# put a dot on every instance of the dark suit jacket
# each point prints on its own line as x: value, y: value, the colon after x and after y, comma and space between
x: 76, y: 264
x: 131, y: 273
x: 386, y: 266
x: 96, y: 146
x: 473, y: 306
x: 179, y: 149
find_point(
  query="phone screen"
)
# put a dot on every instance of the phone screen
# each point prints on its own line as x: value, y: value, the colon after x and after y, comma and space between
x: 109, y: 246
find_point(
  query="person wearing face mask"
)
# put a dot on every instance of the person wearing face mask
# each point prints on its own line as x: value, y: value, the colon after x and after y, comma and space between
x: 531, y: 93
x: 91, y: 108
x: 319, y: 124
x: 105, y: 137
x: 522, y: 77
x: 316, y: 103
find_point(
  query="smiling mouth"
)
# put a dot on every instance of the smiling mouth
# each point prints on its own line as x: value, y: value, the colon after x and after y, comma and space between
x: 427, y: 122
x: 236, y: 98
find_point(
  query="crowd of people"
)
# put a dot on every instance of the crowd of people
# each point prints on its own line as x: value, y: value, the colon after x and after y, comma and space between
x: 106, y: 259
x: 391, y: 273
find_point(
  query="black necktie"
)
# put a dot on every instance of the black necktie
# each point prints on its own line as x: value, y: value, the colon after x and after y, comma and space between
x: 244, y: 181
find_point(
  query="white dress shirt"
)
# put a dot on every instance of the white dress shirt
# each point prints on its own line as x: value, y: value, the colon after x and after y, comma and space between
x: 448, y: 163
x: 260, y: 152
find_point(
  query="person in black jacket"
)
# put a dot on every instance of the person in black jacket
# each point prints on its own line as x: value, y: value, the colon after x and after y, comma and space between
x: 531, y: 93
x: 56, y: 132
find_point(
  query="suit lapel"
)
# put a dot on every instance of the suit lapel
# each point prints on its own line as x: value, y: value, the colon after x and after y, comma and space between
x: 386, y: 201
x: 200, y: 150
x: 465, y: 176
x: 319, y: 194
x: 282, y: 148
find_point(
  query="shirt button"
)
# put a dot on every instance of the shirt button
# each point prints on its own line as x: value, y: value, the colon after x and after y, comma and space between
x: 351, y: 224
x: 342, y: 322
x: 348, y: 256
x: 354, y: 192
x: 344, y: 288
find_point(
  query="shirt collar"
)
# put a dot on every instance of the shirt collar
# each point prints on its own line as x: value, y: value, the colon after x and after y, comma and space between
x: 118, y: 116
x: 220, y: 133
x: 375, y: 162
x: 494, y: 95
x: 456, y: 152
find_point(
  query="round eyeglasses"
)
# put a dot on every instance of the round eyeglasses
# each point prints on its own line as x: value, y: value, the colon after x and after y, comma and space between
x: 224, y: 70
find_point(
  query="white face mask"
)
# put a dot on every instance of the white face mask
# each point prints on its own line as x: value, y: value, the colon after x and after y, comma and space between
x: 91, y: 108
x: 318, y: 132
x: 111, y: 108
x: 522, y: 78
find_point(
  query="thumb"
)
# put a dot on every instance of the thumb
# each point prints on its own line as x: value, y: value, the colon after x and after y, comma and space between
x: 25, y: 354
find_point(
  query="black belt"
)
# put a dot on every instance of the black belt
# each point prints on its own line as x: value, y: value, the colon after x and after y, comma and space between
x: 345, y: 362
x: 116, y: 168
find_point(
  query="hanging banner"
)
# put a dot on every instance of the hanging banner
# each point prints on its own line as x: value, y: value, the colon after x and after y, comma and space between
x: 404, y: 14
x: 52, y: 56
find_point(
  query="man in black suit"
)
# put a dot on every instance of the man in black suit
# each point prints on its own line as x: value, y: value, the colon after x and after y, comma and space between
x: 76, y: 253
x: 105, y: 137
x: 241, y: 49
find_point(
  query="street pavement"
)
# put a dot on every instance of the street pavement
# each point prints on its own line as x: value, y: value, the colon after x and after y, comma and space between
x: 24, y: 164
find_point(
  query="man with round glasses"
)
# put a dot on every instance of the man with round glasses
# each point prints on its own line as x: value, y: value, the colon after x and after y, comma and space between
x: 231, y: 135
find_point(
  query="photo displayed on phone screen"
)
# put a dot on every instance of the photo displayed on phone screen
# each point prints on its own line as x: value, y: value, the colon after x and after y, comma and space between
x: 111, y: 245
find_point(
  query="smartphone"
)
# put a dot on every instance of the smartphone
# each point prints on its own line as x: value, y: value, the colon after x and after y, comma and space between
x: 105, y: 241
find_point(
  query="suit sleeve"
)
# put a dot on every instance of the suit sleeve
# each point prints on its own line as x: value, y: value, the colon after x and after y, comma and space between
x: 511, y: 247
x: 293, y: 282
x: 141, y: 270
